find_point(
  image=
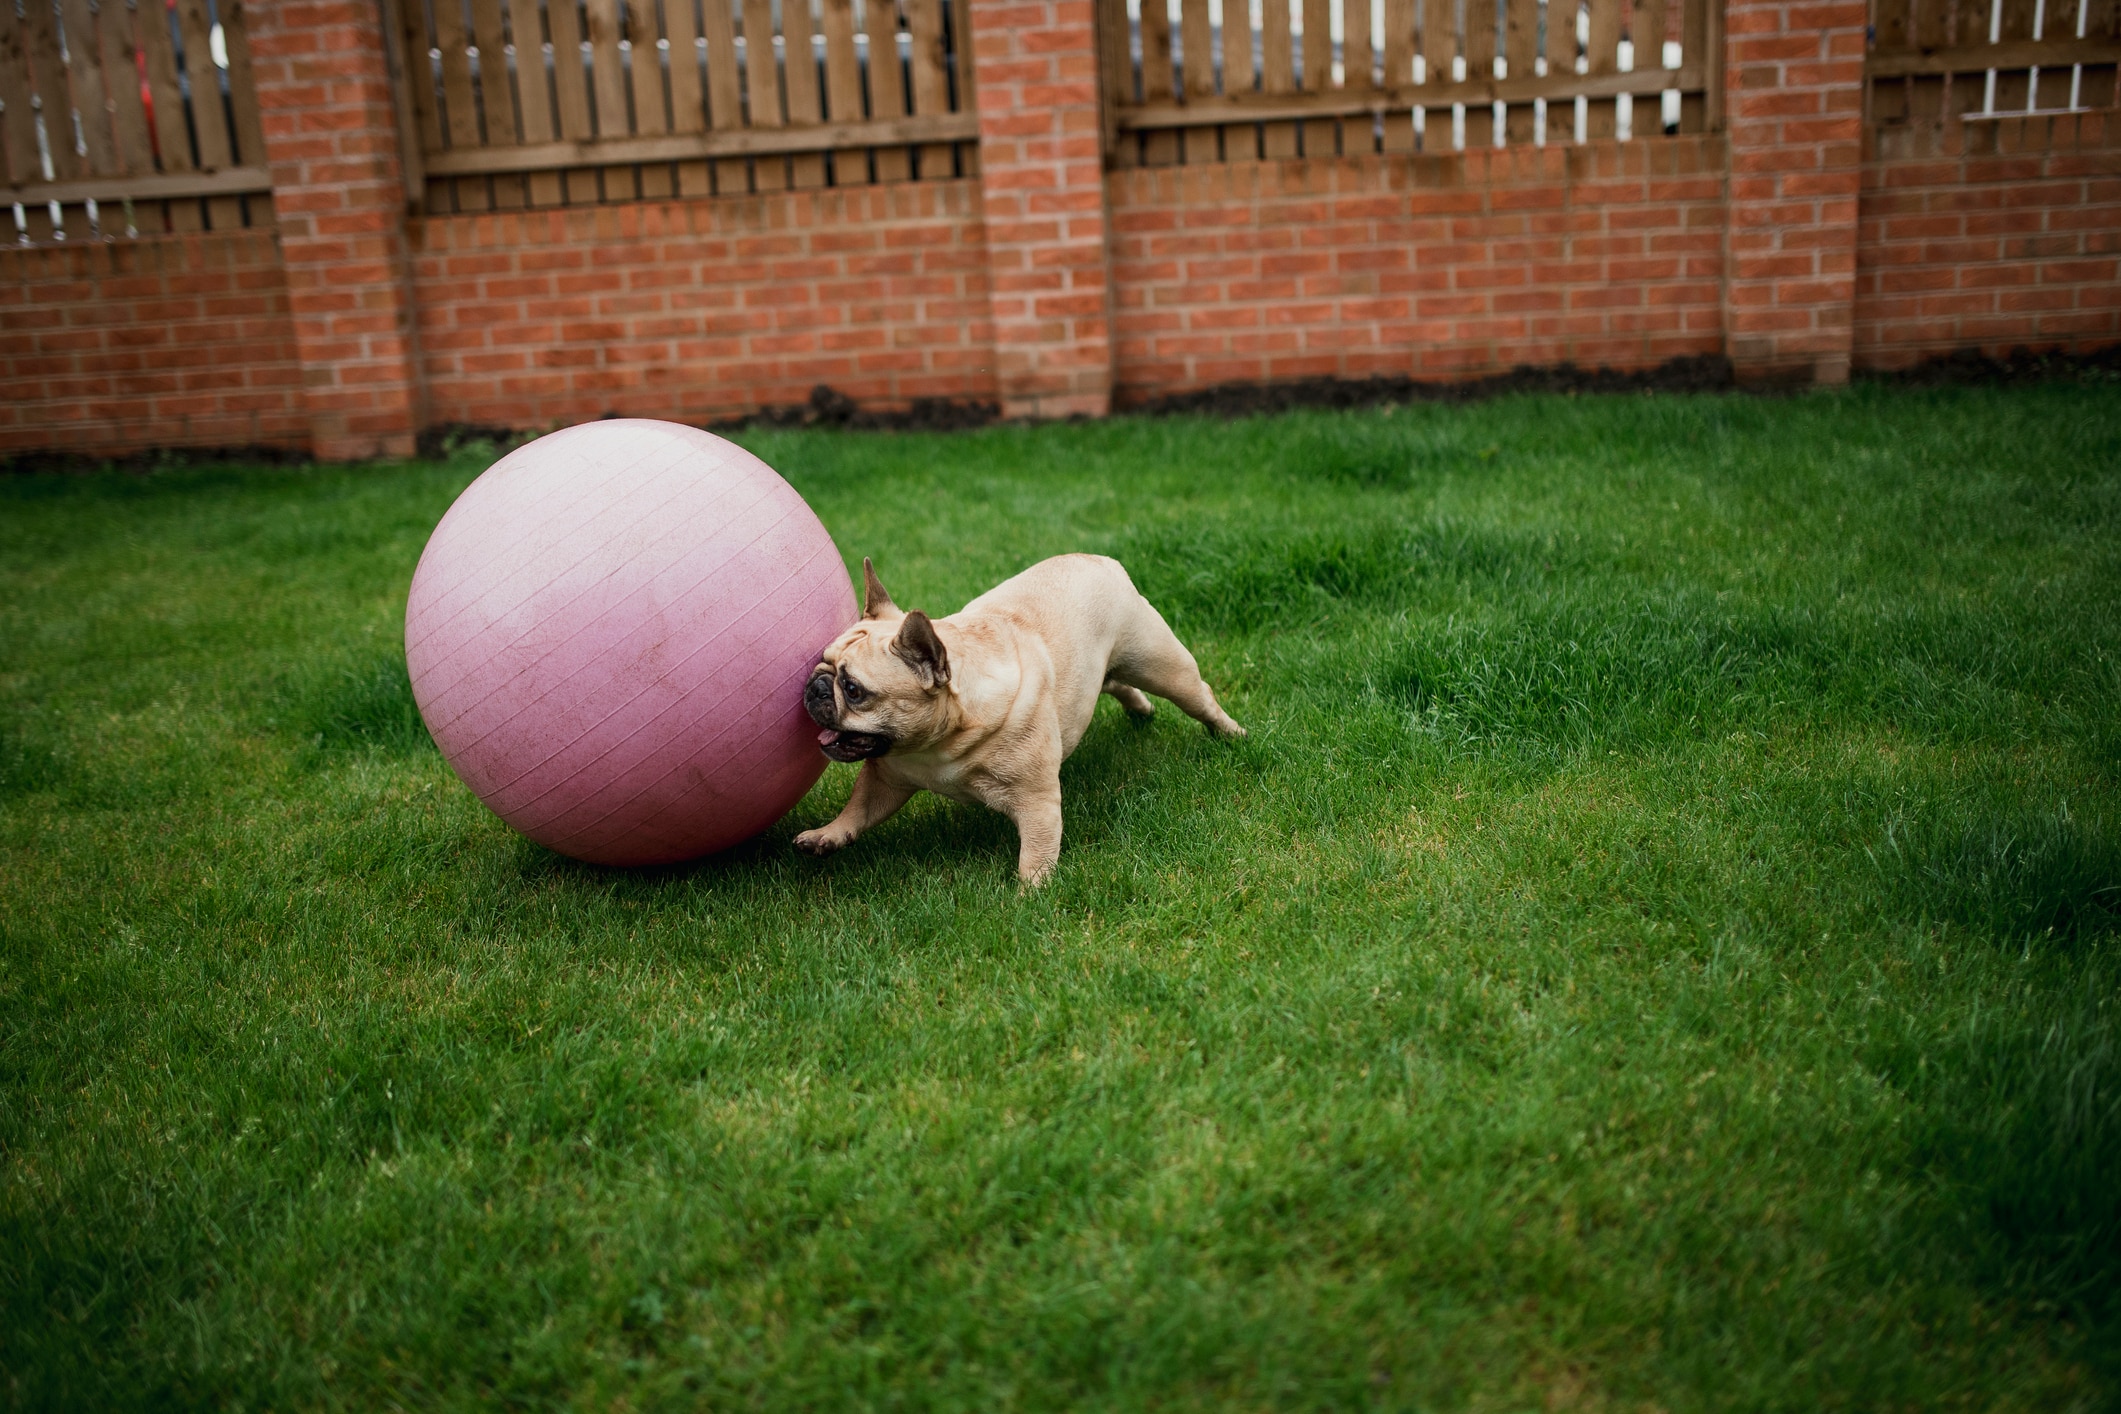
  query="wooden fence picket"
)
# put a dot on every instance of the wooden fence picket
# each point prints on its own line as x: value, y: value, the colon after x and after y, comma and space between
x: 931, y: 78
x: 800, y: 81
x: 843, y: 87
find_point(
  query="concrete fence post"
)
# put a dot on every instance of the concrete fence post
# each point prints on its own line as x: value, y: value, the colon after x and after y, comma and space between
x: 1043, y: 197
x: 331, y: 139
x: 1794, y: 94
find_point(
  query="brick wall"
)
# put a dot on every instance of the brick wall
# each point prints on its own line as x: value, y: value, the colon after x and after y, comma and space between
x: 331, y: 138
x: 1042, y: 185
x: 1990, y: 235
x: 704, y: 310
x: 171, y: 341
x: 1434, y: 266
x: 1798, y: 240
x: 1794, y: 73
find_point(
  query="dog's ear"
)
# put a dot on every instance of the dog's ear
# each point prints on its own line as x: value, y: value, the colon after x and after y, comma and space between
x: 923, y: 651
x: 875, y: 601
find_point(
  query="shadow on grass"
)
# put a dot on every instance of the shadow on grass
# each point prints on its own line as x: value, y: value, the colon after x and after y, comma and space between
x: 2019, y: 1103
x: 930, y: 838
x: 358, y: 704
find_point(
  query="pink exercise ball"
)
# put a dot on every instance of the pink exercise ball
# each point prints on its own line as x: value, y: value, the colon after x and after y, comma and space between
x: 609, y: 634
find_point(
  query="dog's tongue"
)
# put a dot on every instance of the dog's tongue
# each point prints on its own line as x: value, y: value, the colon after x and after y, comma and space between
x: 827, y: 737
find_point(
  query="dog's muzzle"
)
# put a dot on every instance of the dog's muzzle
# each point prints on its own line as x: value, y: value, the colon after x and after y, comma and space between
x: 823, y: 707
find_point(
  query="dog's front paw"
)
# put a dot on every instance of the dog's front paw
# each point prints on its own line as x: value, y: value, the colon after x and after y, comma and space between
x: 821, y: 842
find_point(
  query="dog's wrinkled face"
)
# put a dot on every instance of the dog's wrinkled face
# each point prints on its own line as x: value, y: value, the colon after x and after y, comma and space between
x: 879, y: 684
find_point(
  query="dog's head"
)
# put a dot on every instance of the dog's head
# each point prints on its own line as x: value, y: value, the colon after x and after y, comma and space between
x: 883, y: 683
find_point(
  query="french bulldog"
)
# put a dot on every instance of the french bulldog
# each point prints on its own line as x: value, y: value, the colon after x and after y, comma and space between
x: 984, y: 705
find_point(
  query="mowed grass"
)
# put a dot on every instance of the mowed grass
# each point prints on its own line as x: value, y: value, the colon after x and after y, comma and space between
x: 1657, y: 949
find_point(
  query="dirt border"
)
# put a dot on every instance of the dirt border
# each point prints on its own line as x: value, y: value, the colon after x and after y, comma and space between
x: 1700, y: 373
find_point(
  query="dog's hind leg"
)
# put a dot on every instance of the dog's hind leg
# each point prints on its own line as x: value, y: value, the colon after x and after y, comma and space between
x: 1151, y: 658
x: 1131, y: 698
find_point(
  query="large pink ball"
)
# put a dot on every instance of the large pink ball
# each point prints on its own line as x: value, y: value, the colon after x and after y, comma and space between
x: 609, y: 635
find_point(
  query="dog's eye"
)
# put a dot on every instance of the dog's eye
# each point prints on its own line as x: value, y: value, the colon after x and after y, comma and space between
x: 855, y: 692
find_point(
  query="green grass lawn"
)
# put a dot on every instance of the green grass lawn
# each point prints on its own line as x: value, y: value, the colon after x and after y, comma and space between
x: 1658, y: 948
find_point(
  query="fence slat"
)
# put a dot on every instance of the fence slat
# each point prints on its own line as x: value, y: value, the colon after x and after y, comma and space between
x: 688, y: 101
x: 572, y: 113
x: 1197, y: 56
x: 1604, y: 56
x: 651, y: 116
x: 843, y: 87
x: 1439, y: 45
x: 1116, y: 79
x: 1321, y: 138
x: 209, y: 115
x: 1520, y: 59
x: 725, y: 94
x: 419, y: 76
x: 1479, y: 49
x: 607, y: 92
x: 496, y: 102
x: 762, y: 90
x: 172, y: 140
x: 961, y: 51
x: 607, y: 71
x: 1399, y: 70
x: 1652, y: 27
x: 887, y: 88
x: 23, y: 164
x: 799, y: 75
x: 1240, y: 140
x: 49, y: 71
x: 173, y: 150
x: 1359, y: 62
x: 242, y: 84
x: 84, y: 72
x: 1158, y: 149
x: 526, y: 34
x: 931, y: 77
x: 460, y: 107
x: 1277, y: 74
x: 570, y: 80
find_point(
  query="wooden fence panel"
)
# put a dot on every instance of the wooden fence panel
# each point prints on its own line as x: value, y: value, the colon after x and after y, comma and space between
x: 1978, y: 60
x: 110, y: 163
x: 1403, y: 75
